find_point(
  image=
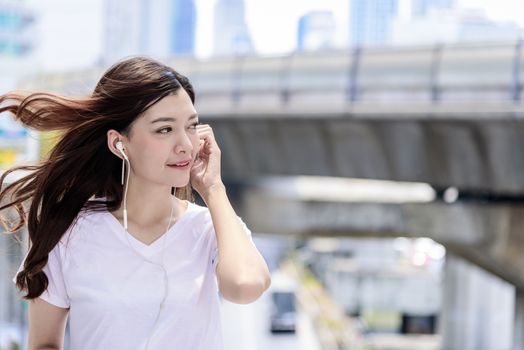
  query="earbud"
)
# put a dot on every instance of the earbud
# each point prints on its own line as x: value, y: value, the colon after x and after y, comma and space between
x: 120, y: 146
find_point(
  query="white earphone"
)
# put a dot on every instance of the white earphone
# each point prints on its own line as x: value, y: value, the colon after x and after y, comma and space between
x: 120, y: 146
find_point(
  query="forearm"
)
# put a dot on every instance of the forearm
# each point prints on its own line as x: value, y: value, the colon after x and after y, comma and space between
x: 242, y: 272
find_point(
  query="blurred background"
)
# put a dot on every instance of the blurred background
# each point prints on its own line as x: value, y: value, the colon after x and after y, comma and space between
x: 372, y: 146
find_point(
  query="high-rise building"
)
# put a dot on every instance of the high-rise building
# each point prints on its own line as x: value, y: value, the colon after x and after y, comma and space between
x: 423, y: 7
x: 183, y: 27
x: 123, y: 29
x: 231, y: 35
x: 370, y: 21
x: 16, y: 41
x: 159, y: 28
x: 15, y: 26
x: 452, y: 26
x: 316, y: 31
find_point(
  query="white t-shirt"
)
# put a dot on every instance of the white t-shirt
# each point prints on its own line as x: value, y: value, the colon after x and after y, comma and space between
x: 114, y: 294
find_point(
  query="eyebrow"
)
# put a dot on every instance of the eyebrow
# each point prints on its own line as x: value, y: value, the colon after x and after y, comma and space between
x: 170, y: 119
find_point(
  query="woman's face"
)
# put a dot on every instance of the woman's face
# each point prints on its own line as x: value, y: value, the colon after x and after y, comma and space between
x: 163, y: 135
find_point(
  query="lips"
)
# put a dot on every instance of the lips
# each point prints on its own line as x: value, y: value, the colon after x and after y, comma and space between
x: 181, y: 164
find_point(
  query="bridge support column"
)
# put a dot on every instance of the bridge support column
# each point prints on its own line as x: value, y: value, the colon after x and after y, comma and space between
x: 518, y: 329
x: 477, y: 308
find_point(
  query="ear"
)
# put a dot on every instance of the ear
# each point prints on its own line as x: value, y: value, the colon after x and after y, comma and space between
x: 113, y: 137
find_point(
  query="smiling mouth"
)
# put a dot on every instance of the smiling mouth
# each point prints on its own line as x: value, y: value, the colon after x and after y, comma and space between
x: 179, y: 165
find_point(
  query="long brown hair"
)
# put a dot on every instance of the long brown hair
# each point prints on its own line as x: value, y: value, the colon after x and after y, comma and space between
x: 80, y: 166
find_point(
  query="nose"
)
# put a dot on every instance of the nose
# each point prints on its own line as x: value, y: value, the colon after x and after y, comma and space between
x: 184, y: 144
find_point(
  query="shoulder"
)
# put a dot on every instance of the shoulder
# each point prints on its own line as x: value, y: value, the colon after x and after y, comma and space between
x: 198, y: 214
x: 197, y: 208
x: 85, y: 220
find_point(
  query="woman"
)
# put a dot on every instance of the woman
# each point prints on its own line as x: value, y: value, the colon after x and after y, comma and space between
x: 116, y: 241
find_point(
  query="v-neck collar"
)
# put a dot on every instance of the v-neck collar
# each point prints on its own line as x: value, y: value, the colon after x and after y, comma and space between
x: 138, y: 244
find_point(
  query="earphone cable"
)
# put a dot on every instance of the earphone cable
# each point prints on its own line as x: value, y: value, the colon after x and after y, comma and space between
x: 161, y: 264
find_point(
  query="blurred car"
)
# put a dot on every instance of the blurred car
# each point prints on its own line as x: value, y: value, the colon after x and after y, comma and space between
x: 283, y: 311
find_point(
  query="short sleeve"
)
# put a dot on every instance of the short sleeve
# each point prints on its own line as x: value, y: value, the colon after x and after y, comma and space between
x: 56, y: 292
x: 214, y: 254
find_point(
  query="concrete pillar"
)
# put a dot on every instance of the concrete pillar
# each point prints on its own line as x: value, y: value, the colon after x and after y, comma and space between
x: 478, y: 308
x: 518, y: 330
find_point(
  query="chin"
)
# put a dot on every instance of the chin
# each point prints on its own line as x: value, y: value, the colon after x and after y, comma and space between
x: 180, y: 184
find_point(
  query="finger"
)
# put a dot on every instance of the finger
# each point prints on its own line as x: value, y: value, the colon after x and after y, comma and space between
x: 209, y: 144
x: 198, y: 169
x: 205, y: 133
x: 206, y: 139
x: 203, y: 129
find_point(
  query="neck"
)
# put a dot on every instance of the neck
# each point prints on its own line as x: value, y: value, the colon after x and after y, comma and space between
x: 149, y: 204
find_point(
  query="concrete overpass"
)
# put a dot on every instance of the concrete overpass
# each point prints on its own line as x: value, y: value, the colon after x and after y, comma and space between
x: 486, y: 234
x: 444, y: 115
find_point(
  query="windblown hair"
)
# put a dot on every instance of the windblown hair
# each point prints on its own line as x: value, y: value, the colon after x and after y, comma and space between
x: 80, y: 166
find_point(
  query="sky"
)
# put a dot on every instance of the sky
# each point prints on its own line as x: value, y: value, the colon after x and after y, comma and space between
x: 70, y: 33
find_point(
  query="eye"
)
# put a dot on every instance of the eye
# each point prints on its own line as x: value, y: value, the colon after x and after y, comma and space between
x: 166, y: 128
x: 194, y: 125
